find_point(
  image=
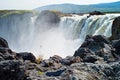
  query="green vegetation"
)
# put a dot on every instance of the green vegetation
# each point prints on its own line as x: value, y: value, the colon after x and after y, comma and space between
x: 39, y: 59
x: 60, y: 14
x: 40, y: 72
x: 4, y: 13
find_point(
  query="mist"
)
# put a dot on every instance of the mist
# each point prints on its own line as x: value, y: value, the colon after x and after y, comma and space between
x: 47, y: 34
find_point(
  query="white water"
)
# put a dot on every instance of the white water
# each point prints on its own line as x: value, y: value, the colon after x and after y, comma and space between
x: 61, y: 40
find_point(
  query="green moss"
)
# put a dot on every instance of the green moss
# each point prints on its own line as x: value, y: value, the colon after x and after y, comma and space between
x: 40, y: 72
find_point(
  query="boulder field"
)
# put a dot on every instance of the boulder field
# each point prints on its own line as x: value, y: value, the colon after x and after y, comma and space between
x: 96, y: 59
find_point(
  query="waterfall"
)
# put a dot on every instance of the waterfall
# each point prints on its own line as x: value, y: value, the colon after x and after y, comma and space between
x: 80, y: 26
x: 62, y: 40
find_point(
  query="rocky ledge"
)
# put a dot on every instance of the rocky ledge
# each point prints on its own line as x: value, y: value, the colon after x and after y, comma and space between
x: 96, y: 59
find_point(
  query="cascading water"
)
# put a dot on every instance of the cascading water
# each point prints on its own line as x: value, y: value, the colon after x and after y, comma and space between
x: 61, y: 40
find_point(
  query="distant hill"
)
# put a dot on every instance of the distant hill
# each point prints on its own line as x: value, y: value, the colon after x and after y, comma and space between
x: 72, y: 8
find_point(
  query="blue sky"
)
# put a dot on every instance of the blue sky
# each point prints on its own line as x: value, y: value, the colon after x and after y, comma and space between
x: 31, y: 4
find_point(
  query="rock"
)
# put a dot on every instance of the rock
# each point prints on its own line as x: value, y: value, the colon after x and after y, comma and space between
x: 11, y: 70
x: 1, y: 58
x: 26, y: 56
x: 116, y: 45
x: 94, y: 40
x: 90, y: 71
x: 52, y: 62
x: 115, y: 29
x: 82, y: 52
x: 76, y: 59
x: 66, y: 61
x: 70, y: 60
x: 9, y: 57
x: 96, y: 13
x: 56, y: 58
x: 6, y: 51
x: 55, y: 73
x: 97, y: 45
x: 46, y: 20
x: 47, y: 63
x: 91, y: 58
x: 7, y: 54
x: 3, y: 43
x: 116, y: 69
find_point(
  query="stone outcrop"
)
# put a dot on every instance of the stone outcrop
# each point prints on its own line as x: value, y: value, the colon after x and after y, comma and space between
x: 116, y: 29
x: 96, y: 59
x: 3, y: 43
x: 96, y: 13
x: 95, y: 47
x: 26, y: 56
x: 47, y: 19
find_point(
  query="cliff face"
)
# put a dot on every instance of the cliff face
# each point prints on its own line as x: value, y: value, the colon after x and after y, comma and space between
x: 46, y: 20
x: 116, y: 29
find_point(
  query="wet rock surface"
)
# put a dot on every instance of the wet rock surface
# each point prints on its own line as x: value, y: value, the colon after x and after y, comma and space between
x: 3, y: 43
x: 46, y: 18
x: 96, y: 59
x: 116, y: 29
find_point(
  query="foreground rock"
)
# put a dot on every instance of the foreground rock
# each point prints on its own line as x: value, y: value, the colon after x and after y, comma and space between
x: 26, y: 56
x: 96, y: 59
x: 95, y: 48
x: 11, y: 70
x: 3, y: 43
x: 116, y: 45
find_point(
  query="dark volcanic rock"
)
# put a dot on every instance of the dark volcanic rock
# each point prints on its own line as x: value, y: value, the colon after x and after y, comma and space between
x: 7, y: 54
x: 96, y: 13
x: 96, y: 45
x: 86, y: 54
x: 70, y: 60
x: 82, y: 52
x: 56, y: 58
x: 52, y: 62
x: 116, y: 29
x: 11, y: 70
x: 55, y: 73
x: 48, y: 17
x: 94, y: 60
x: 47, y: 20
x: 116, y: 45
x: 6, y: 51
x: 3, y: 43
x: 26, y: 56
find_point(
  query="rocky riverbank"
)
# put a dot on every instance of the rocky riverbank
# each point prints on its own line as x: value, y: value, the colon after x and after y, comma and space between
x: 96, y: 59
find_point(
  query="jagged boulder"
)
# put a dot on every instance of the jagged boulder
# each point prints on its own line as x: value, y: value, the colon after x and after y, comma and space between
x: 46, y: 20
x: 55, y: 73
x: 5, y: 52
x: 3, y: 43
x: 98, y: 46
x: 71, y: 59
x: 115, y: 29
x: 116, y: 45
x: 11, y: 70
x: 96, y: 13
x: 26, y: 56
x: 54, y: 62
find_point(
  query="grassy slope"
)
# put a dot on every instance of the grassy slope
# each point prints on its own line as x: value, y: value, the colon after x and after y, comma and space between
x: 4, y: 13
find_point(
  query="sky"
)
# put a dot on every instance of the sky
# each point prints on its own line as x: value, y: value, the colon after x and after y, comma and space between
x: 31, y: 4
